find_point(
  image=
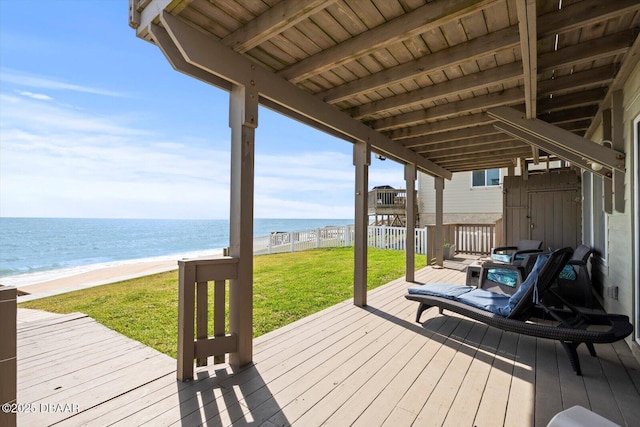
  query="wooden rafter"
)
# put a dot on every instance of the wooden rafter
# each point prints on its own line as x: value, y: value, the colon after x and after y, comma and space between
x: 456, y: 55
x: 573, y: 158
x: 529, y: 48
x: 275, y: 20
x: 559, y: 139
x: 209, y: 54
x: 483, y: 140
x: 453, y: 135
x: 508, y: 97
x: 421, y: 20
x: 441, y: 126
x: 493, y: 76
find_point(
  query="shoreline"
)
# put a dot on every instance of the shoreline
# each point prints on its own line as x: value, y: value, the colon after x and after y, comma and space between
x: 53, y: 282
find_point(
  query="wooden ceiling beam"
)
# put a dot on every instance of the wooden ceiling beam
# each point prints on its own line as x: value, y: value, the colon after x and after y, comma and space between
x: 526, y: 10
x: 272, y: 22
x: 517, y: 150
x: 630, y: 61
x: 209, y: 54
x: 582, y: 79
x: 470, y: 120
x: 571, y: 157
x: 559, y: 139
x: 479, y: 47
x: 469, y: 146
x: 509, y: 142
x: 551, y: 23
x: 583, y: 14
x: 506, y: 97
x: 592, y: 50
x: 572, y: 100
x: 481, y: 164
x: 478, y: 140
x: 493, y: 76
x: 423, y: 19
x: 567, y: 116
x: 453, y: 135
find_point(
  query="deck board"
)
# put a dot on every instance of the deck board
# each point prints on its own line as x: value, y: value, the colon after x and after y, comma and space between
x: 342, y: 366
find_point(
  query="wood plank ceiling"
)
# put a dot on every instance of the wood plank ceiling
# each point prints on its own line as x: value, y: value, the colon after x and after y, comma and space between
x: 424, y: 73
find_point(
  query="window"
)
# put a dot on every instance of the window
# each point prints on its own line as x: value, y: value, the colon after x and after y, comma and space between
x: 485, y: 178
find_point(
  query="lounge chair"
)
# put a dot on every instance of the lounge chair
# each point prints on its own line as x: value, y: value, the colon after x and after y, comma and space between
x: 515, y: 254
x: 516, y: 312
x: 574, y: 283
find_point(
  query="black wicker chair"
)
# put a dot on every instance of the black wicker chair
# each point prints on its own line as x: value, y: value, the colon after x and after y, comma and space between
x: 571, y: 325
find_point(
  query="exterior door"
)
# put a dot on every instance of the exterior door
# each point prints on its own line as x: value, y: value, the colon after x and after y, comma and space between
x: 555, y: 218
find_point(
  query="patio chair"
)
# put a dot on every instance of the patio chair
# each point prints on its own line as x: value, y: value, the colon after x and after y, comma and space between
x: 574, y: 283
x: 517, y: 312
x: 515, y: 254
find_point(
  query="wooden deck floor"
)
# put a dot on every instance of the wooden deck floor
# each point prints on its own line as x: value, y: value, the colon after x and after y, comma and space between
x: 343, y: 366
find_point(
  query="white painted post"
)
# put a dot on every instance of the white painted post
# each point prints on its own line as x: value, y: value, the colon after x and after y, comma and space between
x: 291, y: 246
x: 243, y: 120
x: 361, y: 160
x: 317, y: 237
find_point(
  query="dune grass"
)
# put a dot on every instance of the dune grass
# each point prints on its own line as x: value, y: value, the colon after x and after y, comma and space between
x: 287, y: 287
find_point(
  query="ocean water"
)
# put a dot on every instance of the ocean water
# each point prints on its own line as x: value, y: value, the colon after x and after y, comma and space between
x: 40, y: 245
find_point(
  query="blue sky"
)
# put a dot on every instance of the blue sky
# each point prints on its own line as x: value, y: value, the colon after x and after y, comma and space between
x: 94, y: 122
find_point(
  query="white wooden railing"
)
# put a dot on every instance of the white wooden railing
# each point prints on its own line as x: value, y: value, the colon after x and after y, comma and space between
x: 383, y: 237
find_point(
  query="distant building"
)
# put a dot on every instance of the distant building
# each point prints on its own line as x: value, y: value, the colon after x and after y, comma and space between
x: 469, y: 198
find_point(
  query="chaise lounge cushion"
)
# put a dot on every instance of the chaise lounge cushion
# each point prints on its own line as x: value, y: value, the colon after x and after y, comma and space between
x: 486, y: 300
x: 480, y: 298
x: 444, y: 290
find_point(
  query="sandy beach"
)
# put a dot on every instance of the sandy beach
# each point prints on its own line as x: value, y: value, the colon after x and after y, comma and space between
x: 56, y: 282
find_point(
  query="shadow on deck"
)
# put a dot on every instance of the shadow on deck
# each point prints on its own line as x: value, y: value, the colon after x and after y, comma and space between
x: 342, y: 366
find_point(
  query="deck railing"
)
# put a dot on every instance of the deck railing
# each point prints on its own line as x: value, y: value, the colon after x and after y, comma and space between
x: 474, y: 239
x: 293, y: 241
x: 193, y: 296
x: 384, y: 237
x: 387, y: 198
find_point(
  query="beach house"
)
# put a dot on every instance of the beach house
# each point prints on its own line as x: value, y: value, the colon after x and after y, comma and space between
x: 442, y: 87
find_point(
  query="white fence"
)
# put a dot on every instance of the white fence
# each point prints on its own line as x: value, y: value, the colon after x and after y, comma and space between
x: 383, y: 237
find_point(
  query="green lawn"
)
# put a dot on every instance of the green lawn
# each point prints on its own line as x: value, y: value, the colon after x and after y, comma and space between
x: 287, y: 287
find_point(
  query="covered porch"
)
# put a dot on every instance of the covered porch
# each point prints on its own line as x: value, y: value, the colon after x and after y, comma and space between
x: 438, y: 86
x: 342, y: 366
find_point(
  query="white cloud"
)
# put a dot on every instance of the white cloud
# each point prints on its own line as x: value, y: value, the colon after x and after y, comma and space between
x: 38, y: 96
x: 57, y: 161
x: 42, y: 82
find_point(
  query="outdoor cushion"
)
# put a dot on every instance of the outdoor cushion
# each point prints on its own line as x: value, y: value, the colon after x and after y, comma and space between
x: 486, y: 300
x: 568, y: 273
x: 504, y: 277
x: 501, y: 257
x: 531, y: 280
x: 444, y: 290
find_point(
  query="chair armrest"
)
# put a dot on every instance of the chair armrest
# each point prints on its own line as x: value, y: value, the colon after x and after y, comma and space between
x: 504, y: 248
x: 525, y: 252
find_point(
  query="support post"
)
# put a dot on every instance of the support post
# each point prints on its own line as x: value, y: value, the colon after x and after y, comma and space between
x: 243, y: 120
x: 361, y: 160
x: 607, y: 183
x: 617, y: 139
x: 8, y: 359
x: 410, y: 235
x: 439, y: 186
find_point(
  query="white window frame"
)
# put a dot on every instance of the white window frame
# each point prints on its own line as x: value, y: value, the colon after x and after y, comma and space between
x: 473, y: 187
